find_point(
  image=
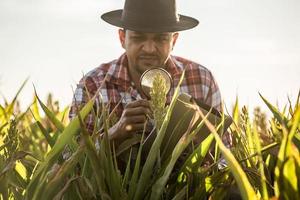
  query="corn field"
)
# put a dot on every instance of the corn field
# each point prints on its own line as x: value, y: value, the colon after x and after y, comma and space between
x: 43, y: 155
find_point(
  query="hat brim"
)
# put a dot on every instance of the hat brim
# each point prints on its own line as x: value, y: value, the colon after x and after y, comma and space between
x: 184, y: 23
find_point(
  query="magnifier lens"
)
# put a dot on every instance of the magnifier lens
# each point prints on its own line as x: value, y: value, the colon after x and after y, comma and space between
x: 147, y: 78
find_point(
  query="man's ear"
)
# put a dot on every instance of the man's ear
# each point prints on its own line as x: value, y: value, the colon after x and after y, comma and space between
x: 122, y: 37
x: 175, y: 36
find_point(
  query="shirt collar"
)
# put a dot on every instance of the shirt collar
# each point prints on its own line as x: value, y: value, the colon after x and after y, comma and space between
x: 118, y: 72
x: 174, y: 67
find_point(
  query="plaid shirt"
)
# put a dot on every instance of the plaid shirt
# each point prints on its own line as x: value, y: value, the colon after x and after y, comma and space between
x: 113, y: 82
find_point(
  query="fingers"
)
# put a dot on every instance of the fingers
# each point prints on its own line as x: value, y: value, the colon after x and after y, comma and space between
x: 128, y: 112
x: 132, y: 119
x: 134, y: 127
x: 133, y: 123
x: 138, y: 103
x: 139, y: 107
x: 137, y: 119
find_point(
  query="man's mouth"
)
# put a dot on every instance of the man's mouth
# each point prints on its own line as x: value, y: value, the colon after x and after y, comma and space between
x: 148, y: 57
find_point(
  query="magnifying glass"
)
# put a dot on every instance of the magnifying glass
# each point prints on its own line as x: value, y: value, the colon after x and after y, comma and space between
x: 147, y: 78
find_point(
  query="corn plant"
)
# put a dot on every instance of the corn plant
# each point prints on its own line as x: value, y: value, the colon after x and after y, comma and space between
x: 158, y: 94
x: 263, y: 162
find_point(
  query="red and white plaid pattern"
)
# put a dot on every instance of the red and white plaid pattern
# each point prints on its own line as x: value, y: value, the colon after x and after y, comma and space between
x: 113, y: 82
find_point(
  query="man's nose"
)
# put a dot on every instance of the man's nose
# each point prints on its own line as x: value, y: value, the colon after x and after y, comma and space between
x: 149, y: 46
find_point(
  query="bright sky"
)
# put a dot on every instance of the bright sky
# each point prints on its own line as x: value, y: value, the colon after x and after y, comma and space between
x: 250, y: 46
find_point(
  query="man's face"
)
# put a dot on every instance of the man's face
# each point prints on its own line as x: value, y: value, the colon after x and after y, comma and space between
x: 146, y: 50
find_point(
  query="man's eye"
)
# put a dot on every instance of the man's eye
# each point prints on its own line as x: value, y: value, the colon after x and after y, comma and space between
x: 163, y: 38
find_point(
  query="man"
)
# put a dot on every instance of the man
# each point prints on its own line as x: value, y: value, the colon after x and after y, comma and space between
x: 148, y: 33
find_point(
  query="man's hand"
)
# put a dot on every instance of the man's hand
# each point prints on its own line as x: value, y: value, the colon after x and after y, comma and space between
x: 132, y: 120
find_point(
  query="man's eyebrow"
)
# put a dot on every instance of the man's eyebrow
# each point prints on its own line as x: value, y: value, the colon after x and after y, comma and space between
x: 163, y: 34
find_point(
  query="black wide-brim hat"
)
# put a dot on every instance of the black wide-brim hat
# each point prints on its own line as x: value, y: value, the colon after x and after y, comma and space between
x: 150, y: 16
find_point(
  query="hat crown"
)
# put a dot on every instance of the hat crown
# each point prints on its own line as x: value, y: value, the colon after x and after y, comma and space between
x: 151, y: 11
x: 150, y: 16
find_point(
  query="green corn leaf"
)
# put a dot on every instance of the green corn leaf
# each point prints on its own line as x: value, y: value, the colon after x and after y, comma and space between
x: 35, y: 109
x: 48, y: 137
x: 244, y: 185
x: 63, y: 114
x: 220, y: 193
x: 128, y: 143
x: 127, y: 172
x: 116, y: 162
x: 135, y: 174
x: 264, y: 150
x: 61, y: 194
x: 94, y: 160
x: 297, y: 166
x: 3, y: 115
x: 59, y: 125
x: 281, y: 118
x: 261, y: 165
x: 176, y: 134
x: 10, y: 108
x: 59, y: 178
x: 294, y: 124
x: 250, y: 142
x: 286, y: 169
x: 198, y: 154
x: 181, y: 194
x: 296, y: 140
x: 151, y: 158
x: 3, y: 126
x: 71, y: 130
x: 86, y: 169
x: 297, y: 104
x: 4, y: 188
x: 236, y: 111
x: 290, y: 188
x: 37, y: 118
x: 185, y: 140
x: 9, y: 166
x: 50, y: 115
x: 114, y: 180
x: 210, y: 182
x: 284, y: 152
